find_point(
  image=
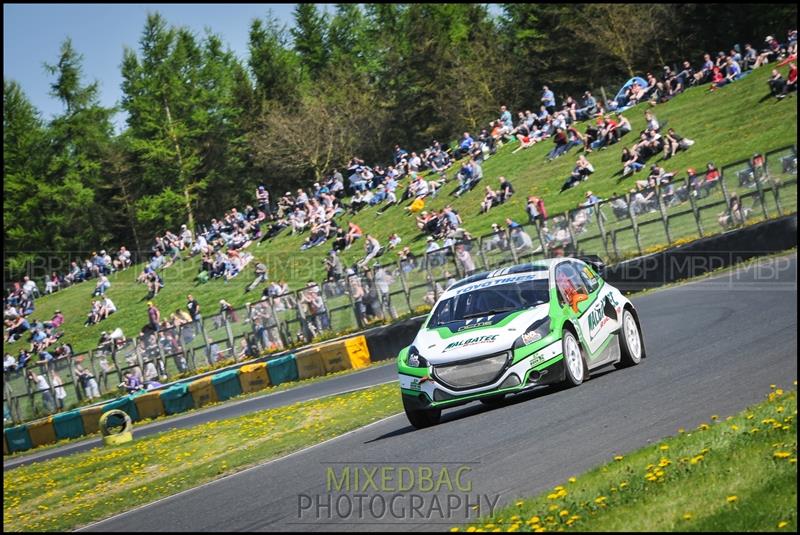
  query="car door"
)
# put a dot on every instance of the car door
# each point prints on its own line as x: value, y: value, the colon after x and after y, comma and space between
x: 600, y: 320
x: 587, y: 311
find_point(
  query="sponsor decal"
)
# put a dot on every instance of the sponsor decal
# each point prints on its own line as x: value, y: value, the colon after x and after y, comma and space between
x: 478, y: 340
x: 474, y: 323
x: 588, y: 273
x: 530, y: 337
x: 414, y: 385
x: 537, y: 359
x: 597, y: 318
x: 516, y: 279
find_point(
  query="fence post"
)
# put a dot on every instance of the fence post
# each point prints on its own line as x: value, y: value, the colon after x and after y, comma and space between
x: 727, y: 198
x: 600, y: 217
x: 573, y: 240
x: 228, y: 330
x: 760, y: 188
x: 514, y: 254
x: 695, y: 209
x: 482, y: 254
x: 540, y: 235
x: 404, y: 282
x: 207, y: 346
x: 161, y: 359
x: 633, y: 223
x: 349, y: 292
x: 664, y: 218
x: 776, y: 186
x: 71, y: 369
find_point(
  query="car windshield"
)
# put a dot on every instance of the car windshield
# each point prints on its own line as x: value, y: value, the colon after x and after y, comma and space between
x: 491, y: 300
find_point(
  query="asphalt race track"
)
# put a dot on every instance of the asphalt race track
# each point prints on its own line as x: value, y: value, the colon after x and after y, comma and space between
x: 714, y: 347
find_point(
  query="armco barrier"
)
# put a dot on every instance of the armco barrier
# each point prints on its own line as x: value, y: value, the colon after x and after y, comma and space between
x: 357, y: 351
x: 149, y: 405
x: 202, y: 392
x: 177, y: 399
x: 18, y: 438
x: 386, y: 342
x: 68, y: 425
x: 125, y: 404
x: 42, y: 432
x: 91, y: 419
x: 226, y: 384
x: 704, y: 255
x: 253, y: 377
x: 308, y: 364
x: 282, y: 370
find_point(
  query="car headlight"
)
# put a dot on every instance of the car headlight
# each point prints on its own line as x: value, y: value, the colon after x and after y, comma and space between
x: 415, y: 360
x: 534, y: 333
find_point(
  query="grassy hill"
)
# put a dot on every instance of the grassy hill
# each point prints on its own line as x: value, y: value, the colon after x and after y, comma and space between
x: 728, y: 125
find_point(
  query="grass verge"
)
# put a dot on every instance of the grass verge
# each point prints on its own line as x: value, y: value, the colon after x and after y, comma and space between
x: 65, y: 493
x: 737, y: 474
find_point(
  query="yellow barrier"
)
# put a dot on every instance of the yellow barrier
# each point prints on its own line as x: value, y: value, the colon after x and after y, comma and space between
x: 149, y: 405
x: 5, y: 445
x: 202, y: 391
x: 334, y: 357
x: 309, y: 364
x: 42, y: 432
x: 358, y: 352
x: 91, y: 418
x: 253, y: 377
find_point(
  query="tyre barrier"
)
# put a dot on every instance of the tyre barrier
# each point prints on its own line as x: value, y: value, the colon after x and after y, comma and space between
x: 226, y: 384
x: 91, y: 419
x: 149, y: 405
x: 308, y: 363
x: 282, y: 370
x: 68, y: 425
x: 177, y: 399
x: 17, y: 438
x: 202, y: 391
x: 124, y: 435
x: 386, y: 342
x: 42, y: 432
x: 253, y: 377
x: 124, y: 404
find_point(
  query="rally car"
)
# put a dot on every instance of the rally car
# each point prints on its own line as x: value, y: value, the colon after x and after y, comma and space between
x: 513, y: 329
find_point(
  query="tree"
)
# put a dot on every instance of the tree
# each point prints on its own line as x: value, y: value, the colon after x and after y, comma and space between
x: 310, y: 35
x: 275, y: 67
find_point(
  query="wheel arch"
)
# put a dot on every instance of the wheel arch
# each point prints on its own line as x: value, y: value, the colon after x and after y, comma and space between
x: 628, y: 306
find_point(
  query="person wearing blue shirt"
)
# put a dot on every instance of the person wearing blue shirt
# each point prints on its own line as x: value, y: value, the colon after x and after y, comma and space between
x: 505, y: 118
x: 548, y: 99
x: 465, y: 145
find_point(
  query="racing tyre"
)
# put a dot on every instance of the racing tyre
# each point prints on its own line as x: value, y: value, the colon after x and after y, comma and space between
x: 422, y: 418
x: 630, y: 340
x: 574, y: 366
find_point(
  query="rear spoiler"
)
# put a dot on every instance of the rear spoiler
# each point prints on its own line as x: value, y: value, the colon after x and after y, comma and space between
x: 596, y: 262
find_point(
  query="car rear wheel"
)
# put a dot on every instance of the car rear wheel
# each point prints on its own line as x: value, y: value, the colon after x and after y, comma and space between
x: 421, y: 418
x: 631, y: 340
x: 573, y: 360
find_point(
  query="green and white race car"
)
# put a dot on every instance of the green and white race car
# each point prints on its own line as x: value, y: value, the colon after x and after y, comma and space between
x: 513, y: 329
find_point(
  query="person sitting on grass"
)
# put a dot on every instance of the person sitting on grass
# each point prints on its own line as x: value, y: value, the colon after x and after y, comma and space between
x: 673, y: 142
x: 580, y: 173
x: 632, y: 161
x: 354, y: 232
x: 506, y: 189
x: 93, y: 316
x: 734, y: 215
x: 489, y: 200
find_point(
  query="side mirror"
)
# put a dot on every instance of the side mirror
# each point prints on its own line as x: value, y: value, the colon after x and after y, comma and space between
x: 577, y: 298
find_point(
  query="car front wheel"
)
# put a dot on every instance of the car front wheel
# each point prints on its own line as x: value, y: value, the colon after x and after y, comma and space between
x: 573, y: 360
x: 422, y: 418
x: 631, y: 340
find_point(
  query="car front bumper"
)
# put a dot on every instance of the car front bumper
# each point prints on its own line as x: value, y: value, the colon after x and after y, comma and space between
x: 545, y: 366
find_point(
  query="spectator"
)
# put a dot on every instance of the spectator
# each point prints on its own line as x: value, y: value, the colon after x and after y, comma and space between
x: 734, y: 215
x: 372, y: 248
x: 465, y: 145
x: 464, y: 259
x: 548, y: 100
x: 489, y: 200
x: 41, y: 385
x: 103, y: 284
x: 506, y: 190
x: 581, y: 172
x: 394, y: 240
x: 154, y: 316
x: 107, y: 308
x: 354, y: 232
x: 226, y: 309
x: 262, y: 275
x: 87, y: 381
x: 588, y: 107
x: 770, y: 53
x: 673, y: 142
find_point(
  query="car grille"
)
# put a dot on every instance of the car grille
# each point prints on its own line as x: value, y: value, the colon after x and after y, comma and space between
x: 472, y: 373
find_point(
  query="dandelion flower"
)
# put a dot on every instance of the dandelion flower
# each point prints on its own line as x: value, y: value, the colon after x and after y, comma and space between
x: 732, y: 499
